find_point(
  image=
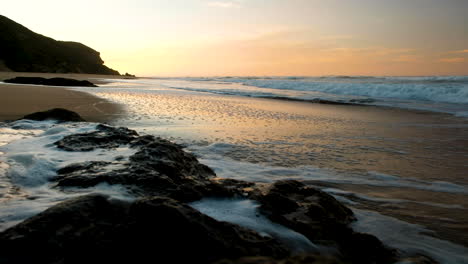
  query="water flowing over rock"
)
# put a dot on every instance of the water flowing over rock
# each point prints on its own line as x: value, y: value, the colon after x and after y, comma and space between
x: 159, y: 225
x: 96, y: 229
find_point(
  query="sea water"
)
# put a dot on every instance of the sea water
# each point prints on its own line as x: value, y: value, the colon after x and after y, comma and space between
x: 396, y: 168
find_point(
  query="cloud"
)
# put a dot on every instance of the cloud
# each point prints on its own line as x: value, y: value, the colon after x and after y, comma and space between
x: 457, y: 51
x: 224, y: 4
x: 452, y: 60
x: 298, y: 52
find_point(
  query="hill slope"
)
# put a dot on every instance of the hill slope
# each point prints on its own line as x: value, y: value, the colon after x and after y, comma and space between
x: 25, y: 51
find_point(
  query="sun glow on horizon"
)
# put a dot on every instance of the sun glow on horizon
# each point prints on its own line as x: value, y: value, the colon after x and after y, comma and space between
x: 258, y: 37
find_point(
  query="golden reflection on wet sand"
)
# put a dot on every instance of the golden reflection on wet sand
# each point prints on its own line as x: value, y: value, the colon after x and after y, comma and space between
x: 348, y: 139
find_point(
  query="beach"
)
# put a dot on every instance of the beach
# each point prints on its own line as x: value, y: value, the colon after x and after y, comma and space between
x: 17, y: 100
x: 393, y: 160
x: 397, y: 168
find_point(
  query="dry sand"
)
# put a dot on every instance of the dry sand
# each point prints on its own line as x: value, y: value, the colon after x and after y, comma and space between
x: 19, y: 100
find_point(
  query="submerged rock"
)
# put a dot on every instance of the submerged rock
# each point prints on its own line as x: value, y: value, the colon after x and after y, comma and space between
x: 96, y: 229
x: 51, y: 81
x: 321, y: 218
x: 59, y: 114
x: 297, y: 259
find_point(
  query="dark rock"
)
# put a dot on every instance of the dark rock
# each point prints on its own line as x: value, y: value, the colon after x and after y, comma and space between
x: 50, y: 82
x: 25, y: 51
x: 292, y: 197
x: 159, y: 167
x: 418, y: 260
x: 297, y: 259
x: 95, y: 229
x: 91, y: 166
x: 166, y: 176
x: 60, y: 114
x: 364, y: 248
x: 105, y: 137
x: 322, y: 219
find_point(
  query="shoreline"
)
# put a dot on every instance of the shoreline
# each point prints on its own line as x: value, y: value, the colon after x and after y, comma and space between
x: 386, y: 142
x: 186, y: 202
x: 18, y: 100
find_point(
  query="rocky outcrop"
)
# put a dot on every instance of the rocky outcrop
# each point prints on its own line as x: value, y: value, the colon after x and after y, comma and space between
x: 96, y: 229
x: 297, y: 259
x: 322, y: 219
x: 161, y: 227
x: 59, y: 114
x: 104, y: 137
x: 162, y: 168
x: 25, y: 51
x: 50, y: 82
x: 159, y: 167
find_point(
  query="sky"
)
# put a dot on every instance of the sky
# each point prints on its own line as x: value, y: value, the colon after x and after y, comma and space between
x: 260, y: 37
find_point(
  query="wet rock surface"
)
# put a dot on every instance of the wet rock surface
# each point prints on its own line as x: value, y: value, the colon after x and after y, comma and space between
x: 59, y: 114
x: 321, y: 218
x: 160, y: 227
x: 106, y: 137
x: 159, y: 167
x: 96, y: 229
x: 297, y: 259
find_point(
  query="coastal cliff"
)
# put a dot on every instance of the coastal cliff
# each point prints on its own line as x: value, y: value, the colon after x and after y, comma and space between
x: 25, y: 51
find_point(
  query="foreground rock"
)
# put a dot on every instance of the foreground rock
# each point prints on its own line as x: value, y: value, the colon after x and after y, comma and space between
x: 162, y: 168
x: 159, y: 167
x: 50, y: 82
x: 95, y: 229
x: 59, y: 114
x: 322, y: 219
x: 160, y: 227
x: 104, y: 137
x: 297, y: 259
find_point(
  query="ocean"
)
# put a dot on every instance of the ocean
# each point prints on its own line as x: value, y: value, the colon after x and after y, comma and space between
x: 394, y: 149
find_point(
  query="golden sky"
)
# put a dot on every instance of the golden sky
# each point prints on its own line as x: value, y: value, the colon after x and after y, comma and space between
x: 260, y: 37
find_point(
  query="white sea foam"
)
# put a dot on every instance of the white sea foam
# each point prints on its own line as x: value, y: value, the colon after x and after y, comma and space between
x: 409, y: 238
x: 438, y: 89
x: 338, y: 194
x: 213, y: 156
x: 448, y: 94
x: 30, y: 159
x: 244, y: 212
x: 461, y: 114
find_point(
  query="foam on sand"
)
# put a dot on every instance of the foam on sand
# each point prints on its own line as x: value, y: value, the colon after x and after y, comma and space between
x: 30, y: 160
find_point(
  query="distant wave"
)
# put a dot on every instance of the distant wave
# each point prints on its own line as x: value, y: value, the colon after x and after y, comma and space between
x: 390, y: 79
x: 447, y: 94
x: 436, y: 89
x: 284, y: 97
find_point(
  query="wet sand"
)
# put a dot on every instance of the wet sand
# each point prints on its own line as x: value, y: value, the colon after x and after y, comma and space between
x: 19, y: 100
x: 409, y: 164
